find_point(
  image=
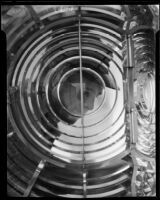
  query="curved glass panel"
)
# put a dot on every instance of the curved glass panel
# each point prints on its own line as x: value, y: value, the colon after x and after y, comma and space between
x: 80, y: 100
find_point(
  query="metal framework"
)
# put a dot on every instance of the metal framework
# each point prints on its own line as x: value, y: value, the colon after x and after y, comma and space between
x: 93, y: 153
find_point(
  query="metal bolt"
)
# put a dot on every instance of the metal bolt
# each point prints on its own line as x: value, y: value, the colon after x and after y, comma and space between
x: 132, y: 25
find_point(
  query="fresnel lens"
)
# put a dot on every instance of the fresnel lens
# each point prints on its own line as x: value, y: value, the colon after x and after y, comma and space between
x: 80, y: 100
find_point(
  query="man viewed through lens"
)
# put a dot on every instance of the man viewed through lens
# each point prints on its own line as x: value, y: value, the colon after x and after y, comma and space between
x: 71, y: 92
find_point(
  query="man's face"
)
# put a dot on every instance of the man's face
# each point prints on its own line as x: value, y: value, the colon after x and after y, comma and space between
x: 72, y: 96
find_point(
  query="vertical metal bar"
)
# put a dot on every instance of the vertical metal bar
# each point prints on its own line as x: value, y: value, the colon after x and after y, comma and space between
x: 82, y: 100
x: 84, y: 183
x: 81, y: 80
x: 130, y: 78
x: 133, y: 181
x: 34, y: 178
x: 131, y: 108
x: 130, y: 58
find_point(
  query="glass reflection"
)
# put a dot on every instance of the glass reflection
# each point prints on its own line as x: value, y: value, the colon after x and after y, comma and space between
x: 70, y: 92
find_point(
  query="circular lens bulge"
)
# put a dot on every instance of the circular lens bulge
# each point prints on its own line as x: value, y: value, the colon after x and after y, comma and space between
x: 70, y: 92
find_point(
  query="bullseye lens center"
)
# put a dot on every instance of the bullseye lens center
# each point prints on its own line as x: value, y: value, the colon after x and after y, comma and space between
x: 70, y: 92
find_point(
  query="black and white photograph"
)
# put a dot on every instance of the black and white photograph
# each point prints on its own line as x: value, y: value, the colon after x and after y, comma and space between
x: 81, y: 100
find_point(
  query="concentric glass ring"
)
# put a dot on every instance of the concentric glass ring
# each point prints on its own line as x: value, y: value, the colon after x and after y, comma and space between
x: 50, y: 55
x: 69, y: 85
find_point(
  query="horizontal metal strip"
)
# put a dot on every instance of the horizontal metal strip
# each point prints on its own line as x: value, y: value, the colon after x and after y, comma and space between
x: 92, y: 148
x: 64, y: 183
x: 114, y: 182
x: 55, y: 190
x: 15, y: 182
x: 13, y: 190
x: 12, y: 164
